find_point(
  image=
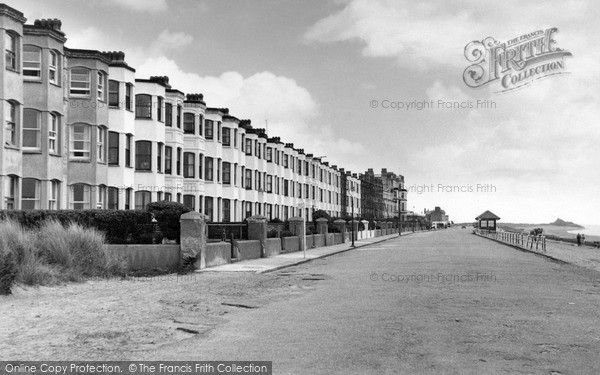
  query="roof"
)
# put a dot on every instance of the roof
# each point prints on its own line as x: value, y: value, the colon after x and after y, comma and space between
x: 487, y: 215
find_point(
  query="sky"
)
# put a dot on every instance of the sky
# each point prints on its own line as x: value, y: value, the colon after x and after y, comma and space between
x: 323, y: 75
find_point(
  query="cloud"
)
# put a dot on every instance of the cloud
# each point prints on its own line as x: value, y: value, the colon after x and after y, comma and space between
x: 168, y: 40
x: 151, y: 6
x: 426, y: 34
x: 289, y: 108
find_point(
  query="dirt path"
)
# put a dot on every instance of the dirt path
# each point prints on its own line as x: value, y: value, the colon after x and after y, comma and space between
x: 112, y: 319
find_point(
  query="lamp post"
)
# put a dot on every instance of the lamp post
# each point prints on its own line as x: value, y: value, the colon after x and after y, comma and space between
x: 351, y: 189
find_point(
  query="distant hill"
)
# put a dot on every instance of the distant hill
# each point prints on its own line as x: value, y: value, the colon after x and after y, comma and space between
x: 562, y: 223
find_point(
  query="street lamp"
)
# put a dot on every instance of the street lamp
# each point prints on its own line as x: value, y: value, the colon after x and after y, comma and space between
x: 351, y: 189
x: 397, y: 201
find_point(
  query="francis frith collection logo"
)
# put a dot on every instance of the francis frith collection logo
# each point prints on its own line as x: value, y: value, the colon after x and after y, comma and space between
x: 515, y: 63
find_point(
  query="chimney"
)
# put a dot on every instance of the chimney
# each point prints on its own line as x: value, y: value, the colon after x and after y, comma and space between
x: 53, y: 24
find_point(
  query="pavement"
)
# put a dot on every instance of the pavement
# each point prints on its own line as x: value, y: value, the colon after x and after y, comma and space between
x: 263, y: 265
x: 441, y: 302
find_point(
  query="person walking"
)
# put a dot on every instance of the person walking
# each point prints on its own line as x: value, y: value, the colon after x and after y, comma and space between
x: 583, y: 239
x: 578, y: 239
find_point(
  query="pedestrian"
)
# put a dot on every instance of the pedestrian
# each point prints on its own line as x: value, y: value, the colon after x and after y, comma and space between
x: 583, y: 239
x: 578, y: 239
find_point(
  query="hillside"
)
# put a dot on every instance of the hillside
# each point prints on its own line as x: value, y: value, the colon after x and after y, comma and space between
x: 561, y: 223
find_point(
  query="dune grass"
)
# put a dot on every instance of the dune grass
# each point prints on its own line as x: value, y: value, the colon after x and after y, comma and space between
x: 52, y: 254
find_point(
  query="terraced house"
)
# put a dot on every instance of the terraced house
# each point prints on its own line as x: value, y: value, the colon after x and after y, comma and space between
x: 82, y: 132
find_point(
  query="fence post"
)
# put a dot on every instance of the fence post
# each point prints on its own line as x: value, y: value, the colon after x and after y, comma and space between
x: 257, y: 230
x: 193, y: 239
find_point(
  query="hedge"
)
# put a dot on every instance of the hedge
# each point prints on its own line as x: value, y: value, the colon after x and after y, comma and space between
x: 120, y: 226
x: 167, y: 216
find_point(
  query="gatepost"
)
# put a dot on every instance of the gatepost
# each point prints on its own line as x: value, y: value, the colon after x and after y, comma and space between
x: 322, y: 225
x: 257, y: 230
x: 341, y: 225
x: 298, y: 228
x: 193, y: 239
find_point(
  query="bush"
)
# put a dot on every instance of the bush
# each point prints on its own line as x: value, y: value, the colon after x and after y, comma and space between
x: 320, y: 214
x: 286, y: 233
x: 167, y: 215
x: 8, y: 269
x: 273, y: 233
x: 276, y: 220
x: 52, y: 253
x: 119, y: 226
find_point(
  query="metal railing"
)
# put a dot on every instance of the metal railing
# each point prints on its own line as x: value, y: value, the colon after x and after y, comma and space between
x: 525, y: 241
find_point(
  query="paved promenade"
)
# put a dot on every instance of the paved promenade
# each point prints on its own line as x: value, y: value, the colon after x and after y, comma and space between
x: 298, y: 257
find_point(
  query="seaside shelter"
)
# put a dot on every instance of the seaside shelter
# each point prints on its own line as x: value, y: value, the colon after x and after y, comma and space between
x: 487, y: 220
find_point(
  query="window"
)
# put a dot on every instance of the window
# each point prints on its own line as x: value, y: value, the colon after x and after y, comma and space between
x: 208, y: 129
x: 190, y: 202
x: 113, y: 93
x: 53, y: 67
x: 80, y: 82
x: 113, y: 148
x: 226, y: 136
x: 128, y: 150
x: 226, y: 210
x: 142, y: 198
x: 248, y: 179
x: 128, y: 90
x: 10, y: 50
x: 209, y: 169
x: 101, y: 197
x: 248, y: 146
x: 189, y: 165
x: 168, y: 197
x: 285, y: 188
x: 226, y: 173
x: 243, y: 143
x: 285, y: 161
x: 10, y: 137
x: 168, y: 114
x: 80, y: 197
x: 258, y: 181
x: 200, y: 125
x: 256, y: 148
x: 128, y: 194
x: 200, y: 160
x: 277, y: 157
x: 235, y: 136
x: 143, y: 156
x: 188, y: 123
x: 159, y: 151
x: 168, y: 159
x: 80, y: 141
x: 159, y: 106
x: 178, y: 116
x: 208, y: 208
x: 219, y: 131
x: 52, y: 133
x: 113, y: 198
x: 143, y: 106
x: 31, y: 129
x: 30, y: 194
x: 101, y: 86
x: 10, y: 192
x: 178, y: 162
x: 269, y: 154
x: 32, y: 62
x: 269, y: 184
x: 100, y: 144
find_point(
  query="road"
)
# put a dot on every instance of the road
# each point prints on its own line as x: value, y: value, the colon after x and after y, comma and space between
x: 438, y: 302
